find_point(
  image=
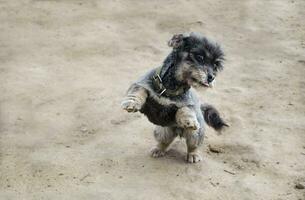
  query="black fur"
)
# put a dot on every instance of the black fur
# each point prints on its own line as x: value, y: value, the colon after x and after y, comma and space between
x: 159, y: 114
x: 211, y: 52
x: 169, y: 69
x: 186, y: 49
x: 212, y: 117
x: 194, y: 61
x: 201, y: 53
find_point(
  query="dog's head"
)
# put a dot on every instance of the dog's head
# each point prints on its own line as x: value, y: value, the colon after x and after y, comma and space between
x: 198, y: 59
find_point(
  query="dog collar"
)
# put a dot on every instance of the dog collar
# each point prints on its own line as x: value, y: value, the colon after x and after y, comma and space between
x: 161, y: 90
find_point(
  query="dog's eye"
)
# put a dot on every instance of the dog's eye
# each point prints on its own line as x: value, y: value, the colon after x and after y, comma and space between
x: 199, y: 58
x: 217, y: 65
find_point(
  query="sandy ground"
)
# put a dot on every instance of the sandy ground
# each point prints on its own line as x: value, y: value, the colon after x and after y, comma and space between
x: 65, y: 65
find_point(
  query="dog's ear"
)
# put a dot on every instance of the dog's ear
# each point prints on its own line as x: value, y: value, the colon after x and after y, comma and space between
x: 176, y: 41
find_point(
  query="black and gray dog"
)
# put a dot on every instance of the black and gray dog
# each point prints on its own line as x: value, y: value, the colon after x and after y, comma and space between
x: 166, y: 95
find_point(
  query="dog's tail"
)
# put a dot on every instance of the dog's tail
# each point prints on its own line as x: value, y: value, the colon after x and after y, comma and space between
x: 212, y: 117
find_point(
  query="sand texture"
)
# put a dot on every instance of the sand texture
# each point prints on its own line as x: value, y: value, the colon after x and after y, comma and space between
x: 66, y: 64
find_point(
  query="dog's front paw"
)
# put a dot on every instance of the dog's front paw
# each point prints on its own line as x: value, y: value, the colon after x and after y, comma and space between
x: 189, y: 123
x: 131, y: 105
x: 156, y: 152
x: 193, y: 157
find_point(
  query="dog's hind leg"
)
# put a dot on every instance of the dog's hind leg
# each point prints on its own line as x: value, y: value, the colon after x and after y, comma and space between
x: 135, y: 98
x: 194, y: 139
x: 164, y: 136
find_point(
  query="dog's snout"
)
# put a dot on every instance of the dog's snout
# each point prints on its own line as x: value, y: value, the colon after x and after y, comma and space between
x: 210, y: 78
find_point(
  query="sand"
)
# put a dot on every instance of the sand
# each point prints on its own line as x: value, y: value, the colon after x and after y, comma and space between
x: 66, y: 64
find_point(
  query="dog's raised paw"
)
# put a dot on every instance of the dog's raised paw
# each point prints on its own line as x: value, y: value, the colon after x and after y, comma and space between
x: 193, y: 157
x: 130, y: 105
x: 189, y: 123
x: 156, y: 152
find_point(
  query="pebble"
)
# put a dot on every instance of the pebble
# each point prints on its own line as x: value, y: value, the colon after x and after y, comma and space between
x: 84, y: 129
x: 215, y: 149
x: 300, y: 186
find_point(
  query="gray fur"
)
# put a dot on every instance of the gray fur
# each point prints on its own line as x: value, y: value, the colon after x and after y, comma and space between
x: 193, y: 61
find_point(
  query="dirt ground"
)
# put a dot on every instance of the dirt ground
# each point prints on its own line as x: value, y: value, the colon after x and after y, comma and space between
x: 65, y: 65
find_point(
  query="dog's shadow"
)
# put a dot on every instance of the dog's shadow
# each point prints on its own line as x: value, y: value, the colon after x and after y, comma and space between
x: 175, y: 155
x: 176, y: 152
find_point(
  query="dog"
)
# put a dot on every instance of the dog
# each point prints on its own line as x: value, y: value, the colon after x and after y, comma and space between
x: 166, y: 94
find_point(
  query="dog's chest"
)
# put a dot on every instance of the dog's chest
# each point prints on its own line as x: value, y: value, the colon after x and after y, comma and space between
x: 162, y: 115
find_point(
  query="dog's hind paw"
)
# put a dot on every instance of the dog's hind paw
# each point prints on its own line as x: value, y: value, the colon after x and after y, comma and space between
x: 156, y: 152
x: 131, y: 105
x: 193, y: 157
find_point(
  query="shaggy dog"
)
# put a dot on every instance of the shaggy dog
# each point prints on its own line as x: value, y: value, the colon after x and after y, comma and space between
x: 166, y: 95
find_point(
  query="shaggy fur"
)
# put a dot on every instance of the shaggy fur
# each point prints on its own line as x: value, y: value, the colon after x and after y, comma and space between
x: 194, y: 61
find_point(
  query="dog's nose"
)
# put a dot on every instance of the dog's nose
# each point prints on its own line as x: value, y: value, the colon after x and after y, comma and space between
x: 210, y: 78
